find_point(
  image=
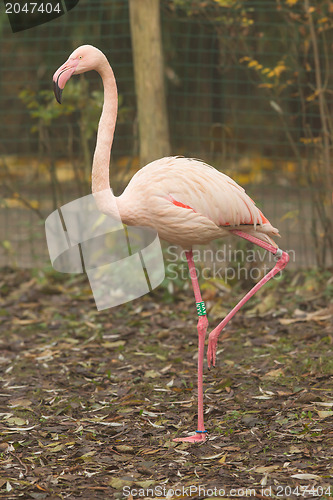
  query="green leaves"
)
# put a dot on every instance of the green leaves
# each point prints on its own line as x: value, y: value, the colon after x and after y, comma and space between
x: 43, y: 106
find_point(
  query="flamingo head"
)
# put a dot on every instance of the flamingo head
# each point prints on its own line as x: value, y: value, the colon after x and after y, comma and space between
x: 83, y: 59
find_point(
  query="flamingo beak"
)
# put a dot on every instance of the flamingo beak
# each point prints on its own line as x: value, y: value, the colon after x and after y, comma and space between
x: 62, y: 75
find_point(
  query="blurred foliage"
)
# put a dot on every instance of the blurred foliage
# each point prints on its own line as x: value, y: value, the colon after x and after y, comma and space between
x: 43, y: 107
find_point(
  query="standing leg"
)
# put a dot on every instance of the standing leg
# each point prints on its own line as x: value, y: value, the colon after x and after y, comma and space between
x: 202, y: 329
x: 281, y: 264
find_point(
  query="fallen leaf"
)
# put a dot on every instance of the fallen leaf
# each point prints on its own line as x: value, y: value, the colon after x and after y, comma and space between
x: 211, y: 457
x: 6, y: 447
x: 320, y: 315
x: 306, y: 476
x: 152, y: 374
x: 15, y: 421
x: 59, y: 447
x: 264, y: 306
x: 156, y: 425
x: 21, y: 429
x: 18, y: 321
x: 150, y: 413
x: 19, y: 402
x: 118, y: 483
x: 294, y: 449
x: 112, y: 345
x: 88, y: 454
x: 267, y: 468
x: 325, y: 413
x: 145, y: 484
x: 274, y: 373
x: 40, y: 487
x: 124, y: 447
x: 263, y: 482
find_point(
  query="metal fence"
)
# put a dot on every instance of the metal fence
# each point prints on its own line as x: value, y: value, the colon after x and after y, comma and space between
x: 242, y: 95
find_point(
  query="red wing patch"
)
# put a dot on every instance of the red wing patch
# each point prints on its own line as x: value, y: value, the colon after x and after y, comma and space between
x: 250, y: 222
x: 180, y: 204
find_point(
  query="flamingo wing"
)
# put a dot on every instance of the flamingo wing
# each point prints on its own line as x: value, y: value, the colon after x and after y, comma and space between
x: 178, y: 188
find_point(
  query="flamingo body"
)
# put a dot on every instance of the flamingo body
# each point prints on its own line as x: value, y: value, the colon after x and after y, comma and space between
x: 189, y: 202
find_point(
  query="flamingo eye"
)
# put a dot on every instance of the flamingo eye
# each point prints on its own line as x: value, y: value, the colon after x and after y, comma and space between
x: 80, y: 57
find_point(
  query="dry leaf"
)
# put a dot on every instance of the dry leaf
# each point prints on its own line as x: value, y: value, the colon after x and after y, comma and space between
x: 274, y: 373
x: 145, y: 484
x: 156, y: 425
x: 306, y: 476
x: 222, y: 460
x: 15, y: 421
x: 267, y: 468
x: 211, y: 457
x: 151, y: 374
x: 112, y: 345
x: 263, y: 482
x: 19, y: 402
x: 20, y: 429
x: 294, y: 449
x: 325, y: 413
x: 118, y: 483
x: 320, y: 315
x: 124, y: 447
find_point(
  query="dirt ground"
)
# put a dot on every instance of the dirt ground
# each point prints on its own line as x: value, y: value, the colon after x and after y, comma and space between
x: 91, y: 401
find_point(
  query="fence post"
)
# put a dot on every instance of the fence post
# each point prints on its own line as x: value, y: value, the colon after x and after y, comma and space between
x: 149, y: 79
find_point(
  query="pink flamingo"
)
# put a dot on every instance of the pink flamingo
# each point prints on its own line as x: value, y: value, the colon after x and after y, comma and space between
x: 187, y: 201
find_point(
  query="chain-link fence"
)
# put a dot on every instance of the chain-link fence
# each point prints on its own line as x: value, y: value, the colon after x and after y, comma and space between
x: 248, y: 90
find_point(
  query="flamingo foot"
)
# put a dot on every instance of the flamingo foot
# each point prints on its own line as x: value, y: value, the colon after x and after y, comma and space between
x: 211, y: 351
x: 198, y: 437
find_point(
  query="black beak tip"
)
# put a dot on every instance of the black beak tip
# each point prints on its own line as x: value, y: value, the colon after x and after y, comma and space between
x: 57, y: 92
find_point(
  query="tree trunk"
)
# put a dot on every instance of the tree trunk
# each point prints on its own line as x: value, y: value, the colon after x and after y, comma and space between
x: 149, y: 79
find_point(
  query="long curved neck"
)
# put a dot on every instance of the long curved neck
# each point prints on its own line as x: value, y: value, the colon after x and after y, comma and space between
x: 107, y: 123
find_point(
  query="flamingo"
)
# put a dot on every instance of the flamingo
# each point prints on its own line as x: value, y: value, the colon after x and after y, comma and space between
x: 187, y: 201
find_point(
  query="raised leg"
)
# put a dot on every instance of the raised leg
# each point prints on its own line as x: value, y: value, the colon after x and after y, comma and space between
x: 281, y: 264
x: 200, y: 434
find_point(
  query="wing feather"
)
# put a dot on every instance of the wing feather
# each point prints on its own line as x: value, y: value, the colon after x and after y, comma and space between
x: 195, y: 185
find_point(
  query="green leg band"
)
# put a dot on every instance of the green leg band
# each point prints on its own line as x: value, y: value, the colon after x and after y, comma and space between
x: 201, y: 309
